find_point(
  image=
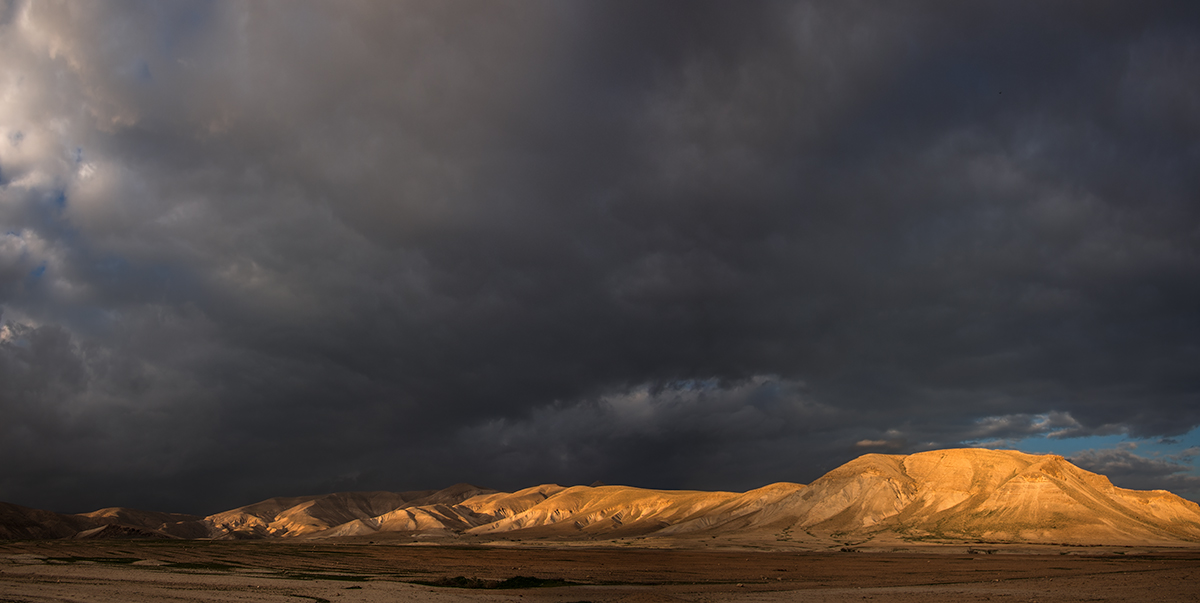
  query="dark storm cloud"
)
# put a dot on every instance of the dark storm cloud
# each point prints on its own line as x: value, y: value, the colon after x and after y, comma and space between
x: 679, y: 434
x: 1132, y: 470
x: 252, y: 250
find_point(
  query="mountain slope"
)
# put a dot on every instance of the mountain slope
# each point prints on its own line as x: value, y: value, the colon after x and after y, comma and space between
x: 23, y: 523
x: 938, y: 496
x: 134, y: 523
x: 989, y: 495
x: 965, y: 494
x: 616, y: 511
x: 298, y: 516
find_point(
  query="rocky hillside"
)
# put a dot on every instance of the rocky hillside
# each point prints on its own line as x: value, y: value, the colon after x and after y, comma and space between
x: 939, y: 496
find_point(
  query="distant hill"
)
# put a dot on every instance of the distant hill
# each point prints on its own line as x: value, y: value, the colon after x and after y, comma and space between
x: 962, y: 495
x: 316, y: 515
x: 23, y: 523
x: 122, y: 522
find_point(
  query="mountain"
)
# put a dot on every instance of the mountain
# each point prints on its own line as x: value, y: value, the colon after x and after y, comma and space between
x: 973, y: 494
x: 620, y: 511
x: 990, y: 495
x: 959, y: 495
x: 308, y: 515
x: 123, y: 522
x: 23, y: 523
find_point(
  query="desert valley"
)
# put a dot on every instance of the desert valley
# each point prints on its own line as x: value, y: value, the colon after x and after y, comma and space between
x: 942, y: 524
x: 947, y: 496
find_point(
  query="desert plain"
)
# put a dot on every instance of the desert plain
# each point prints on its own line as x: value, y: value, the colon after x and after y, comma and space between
x: 397, y: 571
x: 950, y: 525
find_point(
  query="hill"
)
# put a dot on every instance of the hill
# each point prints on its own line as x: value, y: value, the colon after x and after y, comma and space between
x: 24, y: 523
x: 962, y: 495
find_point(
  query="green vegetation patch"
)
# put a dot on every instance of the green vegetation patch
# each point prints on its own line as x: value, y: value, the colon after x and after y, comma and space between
x: 74, y: 559
x: 206, y: 565
x: 319, y: 576
x: 514, y: 582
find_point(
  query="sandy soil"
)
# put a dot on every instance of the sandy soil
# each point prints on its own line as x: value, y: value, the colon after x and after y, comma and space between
x: 136, y: 571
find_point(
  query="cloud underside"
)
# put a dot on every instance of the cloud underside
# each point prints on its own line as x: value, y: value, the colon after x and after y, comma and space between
x: 1129, y: 469
x: 309, y: 247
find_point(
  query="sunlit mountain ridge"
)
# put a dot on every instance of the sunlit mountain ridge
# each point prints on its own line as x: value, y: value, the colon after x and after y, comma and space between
x: 961, y: 495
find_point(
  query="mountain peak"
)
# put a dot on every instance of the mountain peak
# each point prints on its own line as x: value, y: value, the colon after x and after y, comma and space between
x: 957, y: 495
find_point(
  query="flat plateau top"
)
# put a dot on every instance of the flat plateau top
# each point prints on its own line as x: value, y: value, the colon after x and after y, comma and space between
x: 134, y: 571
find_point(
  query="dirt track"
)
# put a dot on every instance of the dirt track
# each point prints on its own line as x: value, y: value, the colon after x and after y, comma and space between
x: 133, y: 571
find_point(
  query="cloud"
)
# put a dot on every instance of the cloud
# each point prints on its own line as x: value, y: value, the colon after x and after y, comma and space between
x: 1006, y: 430
x: 683, y: 432
x: 292, y: 247
x: 1127, y: 469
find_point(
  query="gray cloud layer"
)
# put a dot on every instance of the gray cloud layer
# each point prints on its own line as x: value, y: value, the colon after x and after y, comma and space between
x: 1123, y: 465
x: 271, y: 248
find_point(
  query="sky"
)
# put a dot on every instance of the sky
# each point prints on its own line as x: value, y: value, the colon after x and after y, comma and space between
x: 255, y: 249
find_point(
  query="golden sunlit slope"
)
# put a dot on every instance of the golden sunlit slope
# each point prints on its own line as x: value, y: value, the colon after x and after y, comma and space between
x: 964, y: 494
x: 615, y: 511
x: 606, y: 511
x: 552, y: 511
x: 938, y: 496
x: 439, y: 513
x: 995, y: 495
x: 290, y: 517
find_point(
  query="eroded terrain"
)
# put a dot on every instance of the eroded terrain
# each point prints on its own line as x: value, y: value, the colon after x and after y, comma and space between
x: 133, y: 571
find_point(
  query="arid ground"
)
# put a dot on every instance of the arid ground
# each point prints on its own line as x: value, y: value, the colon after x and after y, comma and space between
x: 134, y: 571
